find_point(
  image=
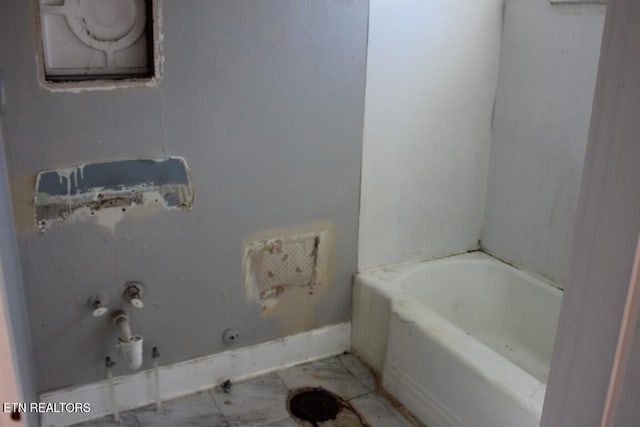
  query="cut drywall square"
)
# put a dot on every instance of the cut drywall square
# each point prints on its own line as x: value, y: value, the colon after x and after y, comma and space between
x: 284, y: 262
x: 286, y: 258
x: 97, y: 39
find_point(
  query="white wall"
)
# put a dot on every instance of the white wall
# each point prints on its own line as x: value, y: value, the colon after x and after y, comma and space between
x: 431, y: 78
x: 543, y: 105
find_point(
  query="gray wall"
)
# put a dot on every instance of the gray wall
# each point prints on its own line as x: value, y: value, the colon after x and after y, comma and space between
x: 13, y: 293
x: 546, y: 82
x: 265, y: 101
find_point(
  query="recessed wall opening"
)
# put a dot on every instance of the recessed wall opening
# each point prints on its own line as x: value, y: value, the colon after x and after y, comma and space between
x: 98, y: 41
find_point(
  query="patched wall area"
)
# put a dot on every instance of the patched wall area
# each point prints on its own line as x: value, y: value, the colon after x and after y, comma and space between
x: 264, y: 101
x: 288, y: 271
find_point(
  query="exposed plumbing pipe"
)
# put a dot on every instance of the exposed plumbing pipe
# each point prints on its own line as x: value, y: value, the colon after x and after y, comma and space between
x: 121, y: 320
x: 130, y: 345
x: 112, y: 391
x: 135, y: 352
x: 155, y: 354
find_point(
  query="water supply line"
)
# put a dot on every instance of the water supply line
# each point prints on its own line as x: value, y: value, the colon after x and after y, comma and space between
x: 155, y: 354
x: 112, y: 391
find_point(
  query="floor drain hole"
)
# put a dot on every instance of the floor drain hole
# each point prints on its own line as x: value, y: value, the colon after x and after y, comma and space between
x: 314, y: 405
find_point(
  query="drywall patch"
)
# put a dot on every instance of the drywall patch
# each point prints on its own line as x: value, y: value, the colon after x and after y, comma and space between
x: 287, y: 271
x: 104, y: 192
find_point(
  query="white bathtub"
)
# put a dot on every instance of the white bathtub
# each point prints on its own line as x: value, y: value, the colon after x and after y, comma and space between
x: 464, y: 341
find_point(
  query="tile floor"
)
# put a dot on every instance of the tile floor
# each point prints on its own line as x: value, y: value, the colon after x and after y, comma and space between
x: 261, y: 401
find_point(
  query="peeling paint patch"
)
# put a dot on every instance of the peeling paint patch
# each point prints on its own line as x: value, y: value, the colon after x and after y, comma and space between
x: 104, y: 192
x: 287, y: 271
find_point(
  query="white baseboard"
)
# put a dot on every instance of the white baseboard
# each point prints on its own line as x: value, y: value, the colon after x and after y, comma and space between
x: 183, y: 378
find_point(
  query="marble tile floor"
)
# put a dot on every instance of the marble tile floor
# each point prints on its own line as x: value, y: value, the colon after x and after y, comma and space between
x: 261, y: 401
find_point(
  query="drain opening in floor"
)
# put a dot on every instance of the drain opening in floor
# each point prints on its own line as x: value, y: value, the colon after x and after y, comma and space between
x: 317, y: 405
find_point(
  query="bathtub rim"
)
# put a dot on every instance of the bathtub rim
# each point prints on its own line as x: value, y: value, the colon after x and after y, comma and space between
x: 388, y: 273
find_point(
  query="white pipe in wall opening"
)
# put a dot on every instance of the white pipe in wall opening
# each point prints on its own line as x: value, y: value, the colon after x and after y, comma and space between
x: 135, y: 352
